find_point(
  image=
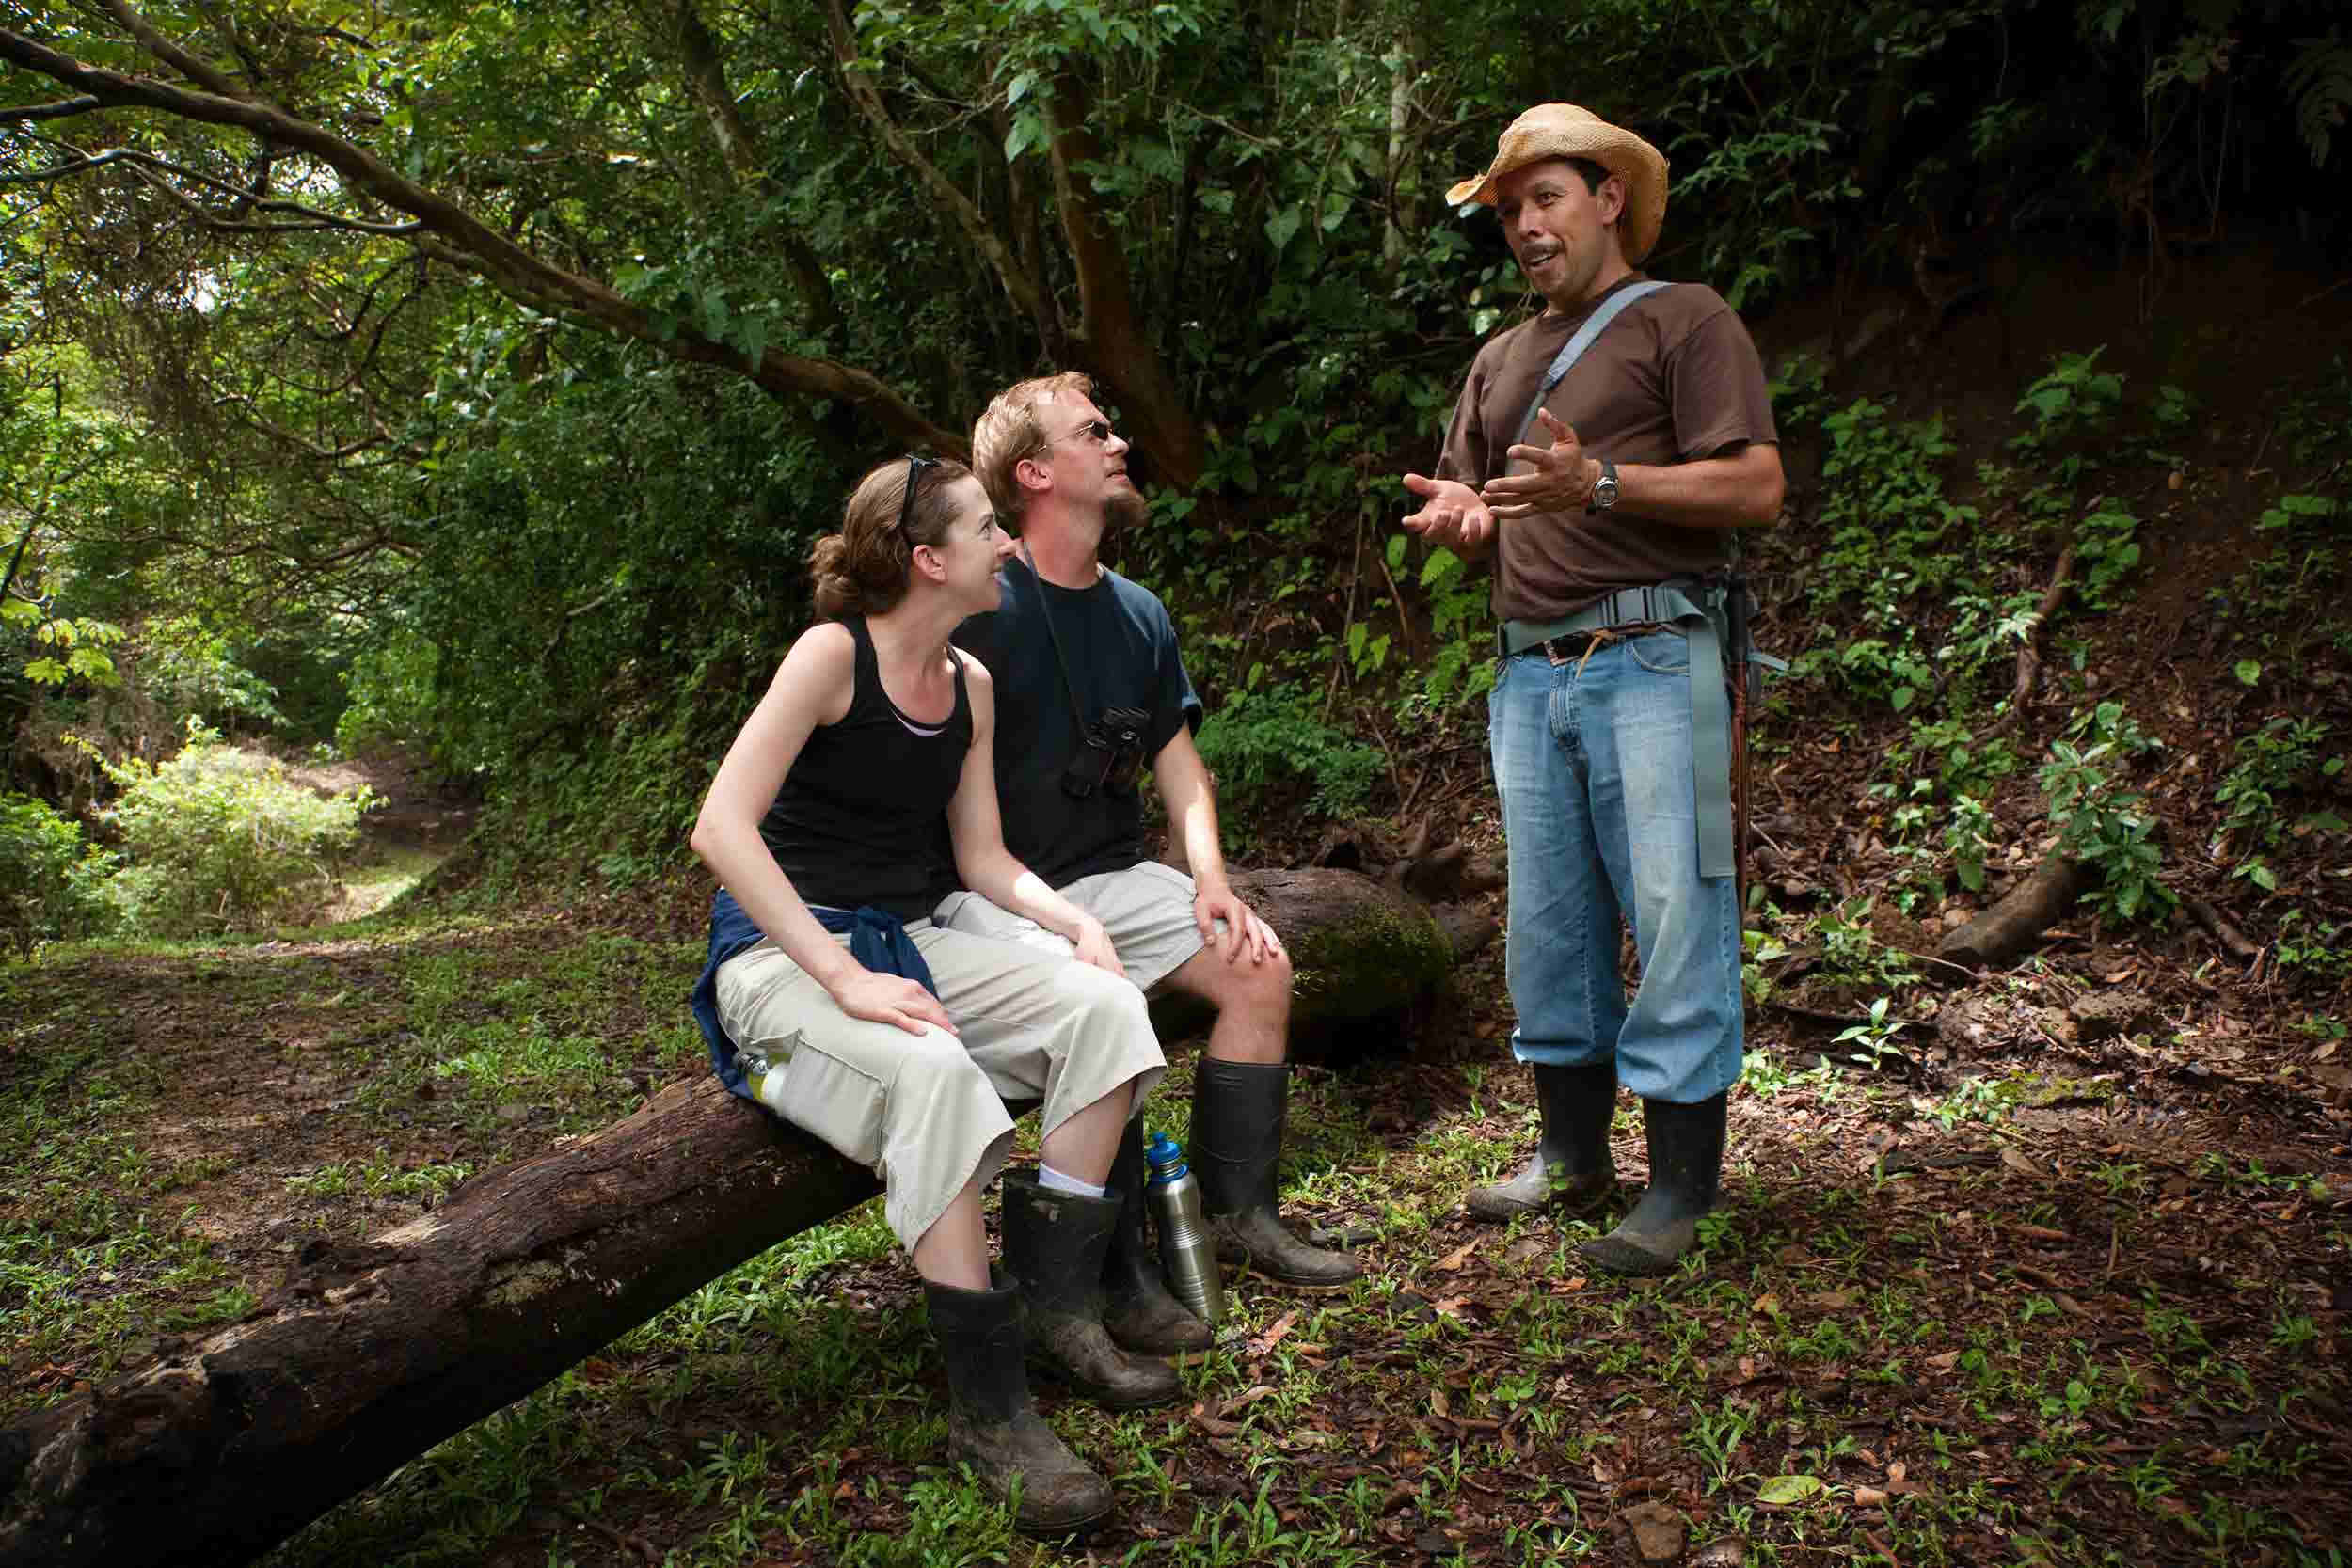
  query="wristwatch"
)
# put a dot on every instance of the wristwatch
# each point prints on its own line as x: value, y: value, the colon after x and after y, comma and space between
x: 1604, y: 494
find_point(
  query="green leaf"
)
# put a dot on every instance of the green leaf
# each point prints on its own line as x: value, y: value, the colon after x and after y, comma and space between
x: 1396, y: 551
x: 751, y: 336
x: 1018, y: 89
x: 1781, y: 1491
x: 92, y: 663
x: 1282, y: 226
x: 1028, y: 131
x: 16, y: 612
x: 45, y: 672
x: 1902, y: 698
x: 2249, y: 672
x: 1442, y: 565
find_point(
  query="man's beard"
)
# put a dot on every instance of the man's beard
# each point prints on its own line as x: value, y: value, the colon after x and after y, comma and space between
x: 1124, y: 508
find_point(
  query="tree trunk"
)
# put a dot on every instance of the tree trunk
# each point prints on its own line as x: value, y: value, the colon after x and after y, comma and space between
x: 2001, y: 934
x: 371, y: 1353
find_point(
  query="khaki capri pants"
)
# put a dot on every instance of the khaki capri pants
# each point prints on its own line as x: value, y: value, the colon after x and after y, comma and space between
x: 1146, y: 909
x: 925, y: 1113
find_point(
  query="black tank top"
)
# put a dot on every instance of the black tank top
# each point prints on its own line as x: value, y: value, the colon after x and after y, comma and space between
x: 862, y: 816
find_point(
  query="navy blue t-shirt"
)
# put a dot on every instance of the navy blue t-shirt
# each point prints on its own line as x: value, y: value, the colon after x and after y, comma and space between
x: 1122, y: 651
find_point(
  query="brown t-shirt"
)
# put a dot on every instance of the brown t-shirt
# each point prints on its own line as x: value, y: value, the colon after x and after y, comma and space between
x: 1675, y: 377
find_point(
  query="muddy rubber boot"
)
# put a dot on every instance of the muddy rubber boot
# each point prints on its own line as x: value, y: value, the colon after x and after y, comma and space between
x: 992, y: 1427
x: 1571, y: 1171
x: 1686, y: 1164
x: 1237, y: 1114
x: 1140, y: 1312
x: 1054, y: 1246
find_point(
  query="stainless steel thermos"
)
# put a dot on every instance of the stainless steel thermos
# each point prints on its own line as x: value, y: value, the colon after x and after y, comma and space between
x: 1187, y: 1253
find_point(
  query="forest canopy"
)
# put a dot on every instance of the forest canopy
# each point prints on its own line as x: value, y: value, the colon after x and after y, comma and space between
x: 480, y: 373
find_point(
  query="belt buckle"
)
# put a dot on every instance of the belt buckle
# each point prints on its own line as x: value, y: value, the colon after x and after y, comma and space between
x: 1567, y: 648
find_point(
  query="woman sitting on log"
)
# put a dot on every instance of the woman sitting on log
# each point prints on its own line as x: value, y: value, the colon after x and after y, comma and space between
x: 854, y: 795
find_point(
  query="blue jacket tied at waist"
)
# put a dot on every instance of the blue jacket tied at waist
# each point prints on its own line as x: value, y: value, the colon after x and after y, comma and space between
x: 878, y: 940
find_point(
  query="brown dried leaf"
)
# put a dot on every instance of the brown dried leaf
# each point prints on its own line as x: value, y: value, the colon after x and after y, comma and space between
x: 1453, y: 1261
x: 1274, y: 1335
x: 1245, y: 1400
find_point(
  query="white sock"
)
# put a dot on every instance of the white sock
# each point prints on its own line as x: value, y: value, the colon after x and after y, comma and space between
x: 1055, y: 1181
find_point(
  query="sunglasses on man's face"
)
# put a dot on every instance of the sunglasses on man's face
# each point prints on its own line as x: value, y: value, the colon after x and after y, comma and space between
x: 1097, y: 431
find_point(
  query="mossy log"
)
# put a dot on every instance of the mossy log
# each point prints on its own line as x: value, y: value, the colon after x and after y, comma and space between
x: 371, y: 1353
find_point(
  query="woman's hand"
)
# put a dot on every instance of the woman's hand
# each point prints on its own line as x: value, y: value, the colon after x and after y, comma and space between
x: 1094, y: 947
x: 891, y: 998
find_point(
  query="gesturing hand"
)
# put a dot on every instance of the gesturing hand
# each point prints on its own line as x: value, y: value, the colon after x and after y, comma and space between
x: 891, y: 998
x: 1094, y: 947
x: 1452, y: 514
x: 1560, y: 480
x: 1244, y: 931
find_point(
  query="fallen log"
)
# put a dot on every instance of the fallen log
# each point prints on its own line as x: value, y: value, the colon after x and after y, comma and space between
x: 2001, y: 934
x: 371, y: 1353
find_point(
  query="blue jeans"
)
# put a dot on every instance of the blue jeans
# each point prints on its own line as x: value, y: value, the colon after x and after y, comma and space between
x: 1593, y: 761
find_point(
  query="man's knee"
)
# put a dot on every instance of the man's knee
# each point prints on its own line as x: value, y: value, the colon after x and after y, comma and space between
x: 1240, y: 983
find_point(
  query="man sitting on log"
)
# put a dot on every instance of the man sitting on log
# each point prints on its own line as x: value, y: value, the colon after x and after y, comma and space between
x: 1090, y: 690
x: 1610, y: 721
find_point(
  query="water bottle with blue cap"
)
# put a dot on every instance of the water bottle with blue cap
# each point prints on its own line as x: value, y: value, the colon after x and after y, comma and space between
x: 1187, y: 1252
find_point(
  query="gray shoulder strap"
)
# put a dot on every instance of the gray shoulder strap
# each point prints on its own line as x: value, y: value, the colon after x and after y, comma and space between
x: 1573, y: 350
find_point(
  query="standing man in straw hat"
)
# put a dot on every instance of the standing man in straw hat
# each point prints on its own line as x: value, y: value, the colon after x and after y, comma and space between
x: 1603, y: 451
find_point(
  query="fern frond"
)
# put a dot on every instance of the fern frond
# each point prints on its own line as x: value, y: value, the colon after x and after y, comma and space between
x: 2320, y: 82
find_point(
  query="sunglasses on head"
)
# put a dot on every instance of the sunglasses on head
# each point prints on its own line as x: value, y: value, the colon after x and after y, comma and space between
x: 906, y: 504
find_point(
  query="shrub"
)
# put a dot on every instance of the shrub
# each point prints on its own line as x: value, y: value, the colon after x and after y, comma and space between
x: 49, y: 881
x: 218, y: 839
x: 1269, y: 749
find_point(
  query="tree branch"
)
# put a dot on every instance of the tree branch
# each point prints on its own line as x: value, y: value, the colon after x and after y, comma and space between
x: 62, y: 109
x: 1117, y: 347
x: 705, y: 78
x: 519, y: 275
x: 1023, y: 289
x: 194, y: 67
x: 255, y: 201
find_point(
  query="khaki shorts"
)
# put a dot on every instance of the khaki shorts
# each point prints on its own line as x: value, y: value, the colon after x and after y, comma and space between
x: 925, y: 1113
x: 1146, y: 908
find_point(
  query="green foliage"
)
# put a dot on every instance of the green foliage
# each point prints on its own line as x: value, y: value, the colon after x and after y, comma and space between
x: 390, y: 692
x: 1853, y: 956
x: 217, y: 838
x: 49, y: 880
x: 2072, y: 405
x: 1884, y: 503
x: 1270, y: 751
x: 2316, y: 946
x: 2320, y: 81
x: 1877, y: 1039
x: 2105, y: 543
x: 2273, y: 764
x: 2101, y: 819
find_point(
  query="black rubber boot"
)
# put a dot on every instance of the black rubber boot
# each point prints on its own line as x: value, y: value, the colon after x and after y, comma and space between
x: 1140, y: 1312
x: 1570, y: 1172
x: 992, y: 1427
x: 1237, y: 1114
x: 1686, y: 1164
x: 1054, y: 1246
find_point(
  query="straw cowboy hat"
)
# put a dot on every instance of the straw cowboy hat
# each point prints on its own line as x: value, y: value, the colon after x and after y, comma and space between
x: 1566, y: 131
